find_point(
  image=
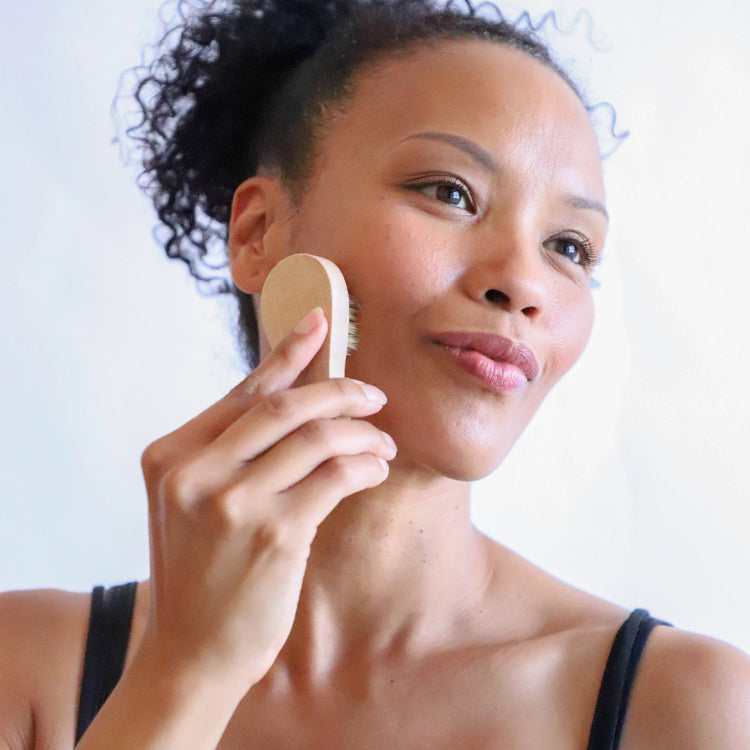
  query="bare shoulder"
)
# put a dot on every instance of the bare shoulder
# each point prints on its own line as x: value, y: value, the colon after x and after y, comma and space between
x: 47, y: 618
x: 42, y: 640
x: 692, y: 692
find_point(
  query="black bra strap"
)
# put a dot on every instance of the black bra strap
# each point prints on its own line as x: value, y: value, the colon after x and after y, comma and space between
x: 619, y: 674
x: 106, y: 646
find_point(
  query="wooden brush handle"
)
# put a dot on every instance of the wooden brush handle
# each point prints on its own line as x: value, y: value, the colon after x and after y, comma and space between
x: 295, y: 286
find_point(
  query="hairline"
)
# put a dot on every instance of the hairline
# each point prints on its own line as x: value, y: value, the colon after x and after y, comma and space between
x: 331, y: 108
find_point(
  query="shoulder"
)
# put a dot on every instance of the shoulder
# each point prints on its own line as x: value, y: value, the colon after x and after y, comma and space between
x: 42, y: 640
x: 41, y: 615
x: 37, y: 624
x: 692, y: 692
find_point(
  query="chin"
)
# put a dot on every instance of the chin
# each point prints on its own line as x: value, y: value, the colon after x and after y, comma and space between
x: 464, y: 463
x: 470, y: 471
x: 461, y: 438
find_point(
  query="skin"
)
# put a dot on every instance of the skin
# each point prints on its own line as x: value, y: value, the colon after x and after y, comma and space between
x: 295, y: 620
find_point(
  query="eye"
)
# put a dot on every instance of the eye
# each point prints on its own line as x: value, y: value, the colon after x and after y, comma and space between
x: 445, y: 189
x: 576, y: 249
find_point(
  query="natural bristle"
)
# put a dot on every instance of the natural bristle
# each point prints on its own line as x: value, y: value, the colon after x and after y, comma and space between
x: 352, y: 339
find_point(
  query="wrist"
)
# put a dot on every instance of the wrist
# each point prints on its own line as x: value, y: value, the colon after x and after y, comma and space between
x: 163, y: 704
x: 184, y: 677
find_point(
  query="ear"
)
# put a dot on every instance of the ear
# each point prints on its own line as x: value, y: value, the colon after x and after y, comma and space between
x: 259, y: 231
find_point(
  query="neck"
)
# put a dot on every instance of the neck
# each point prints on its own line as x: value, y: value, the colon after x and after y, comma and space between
x: 394, y: 569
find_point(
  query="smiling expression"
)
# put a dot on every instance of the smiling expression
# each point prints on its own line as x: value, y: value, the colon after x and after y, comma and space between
x: 459, y: 191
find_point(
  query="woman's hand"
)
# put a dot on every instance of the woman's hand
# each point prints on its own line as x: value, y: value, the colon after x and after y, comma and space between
x: 235, y: 499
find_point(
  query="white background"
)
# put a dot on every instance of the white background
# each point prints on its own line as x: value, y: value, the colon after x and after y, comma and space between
x: 632, y: 480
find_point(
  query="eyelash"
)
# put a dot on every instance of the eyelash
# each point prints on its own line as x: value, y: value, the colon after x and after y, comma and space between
x: 445, y: 180
x: 588, y: 258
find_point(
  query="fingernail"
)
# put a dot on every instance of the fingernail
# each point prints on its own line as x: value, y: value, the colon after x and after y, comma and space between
x: 372, y: 393
x: 309, y: 322
x: 389, y: 440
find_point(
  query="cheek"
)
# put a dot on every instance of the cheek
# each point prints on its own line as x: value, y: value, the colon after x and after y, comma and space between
x: 570, y: 329
x: 394, y: 271
x: 393, y: 265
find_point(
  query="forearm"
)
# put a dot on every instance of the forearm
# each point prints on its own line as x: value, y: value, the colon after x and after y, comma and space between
x: 158, y: 708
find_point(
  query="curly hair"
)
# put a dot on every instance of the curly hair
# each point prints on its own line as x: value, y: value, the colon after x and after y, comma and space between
x: 239, y: 85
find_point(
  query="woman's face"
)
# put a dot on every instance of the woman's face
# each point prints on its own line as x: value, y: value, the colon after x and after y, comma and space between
x: 459, y: 192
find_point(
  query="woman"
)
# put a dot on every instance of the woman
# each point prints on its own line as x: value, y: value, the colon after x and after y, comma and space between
x: 316, y: 581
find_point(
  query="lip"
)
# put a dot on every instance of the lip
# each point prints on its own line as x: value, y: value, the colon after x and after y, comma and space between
x: 500, y: 349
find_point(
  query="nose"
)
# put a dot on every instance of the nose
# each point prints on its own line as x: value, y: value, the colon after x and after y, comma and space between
x: 511, y: 278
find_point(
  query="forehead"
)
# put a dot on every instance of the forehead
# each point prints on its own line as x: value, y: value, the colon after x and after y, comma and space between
x: 501, y: 98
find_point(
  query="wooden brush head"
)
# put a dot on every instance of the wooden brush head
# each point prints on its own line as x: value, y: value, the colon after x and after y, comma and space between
x: 295, y: 286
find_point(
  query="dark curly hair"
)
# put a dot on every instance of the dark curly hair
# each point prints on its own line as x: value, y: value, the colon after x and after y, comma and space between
x: 238, y: 85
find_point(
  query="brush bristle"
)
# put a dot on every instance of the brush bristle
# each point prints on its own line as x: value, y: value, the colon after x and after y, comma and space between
x: 352, y: 339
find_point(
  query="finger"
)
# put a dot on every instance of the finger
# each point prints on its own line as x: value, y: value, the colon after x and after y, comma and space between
x: 289, y: 358
x: 312, y: 444
x: 311, y: 500
x: 312, y: 419
x: 283, y: 412
x: 278, y: 371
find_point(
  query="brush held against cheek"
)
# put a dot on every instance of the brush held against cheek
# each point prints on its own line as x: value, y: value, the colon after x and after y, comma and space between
x: 295, y: 286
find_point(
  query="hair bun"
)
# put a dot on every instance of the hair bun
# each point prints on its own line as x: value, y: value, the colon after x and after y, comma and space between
x: 202, y: 99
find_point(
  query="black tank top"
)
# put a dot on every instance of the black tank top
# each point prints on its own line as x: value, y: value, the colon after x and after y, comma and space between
x: 109, y: 632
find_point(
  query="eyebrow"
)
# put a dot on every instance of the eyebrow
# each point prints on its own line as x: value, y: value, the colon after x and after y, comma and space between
x: 479, y: 154
x: 488, y: 161
x: 578, y: 201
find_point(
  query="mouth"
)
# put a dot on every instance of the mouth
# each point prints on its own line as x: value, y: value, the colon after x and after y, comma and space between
x: 502, y: 363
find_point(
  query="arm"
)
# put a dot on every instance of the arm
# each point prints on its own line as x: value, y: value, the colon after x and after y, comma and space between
x: 235, y: 499
x: 162, y: 705
x: 691, y: 693
x: 42, y: 638
x: 41, y: 649
x: 16, y: 716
